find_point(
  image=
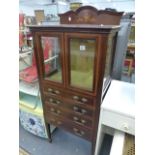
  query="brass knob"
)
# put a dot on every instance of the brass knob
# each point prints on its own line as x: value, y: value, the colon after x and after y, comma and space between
x: 51, y: 100
x: 83, y: 121
x: 57, y: 92
x: 82, y: 132
x: 58, y: 111
x: 58, y: 102
x: 50, y: 89
x: 75, y: 129
x: 84, y: 100
x: 75, y: 118
x: 59, y: 122
x: 83, y: 111
x: 52, y: 109
x: 76, y: 97
x: 75, y: 108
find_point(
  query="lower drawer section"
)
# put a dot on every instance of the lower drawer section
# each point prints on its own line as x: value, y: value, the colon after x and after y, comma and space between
x: 70, y: 115
x: 69, y: 126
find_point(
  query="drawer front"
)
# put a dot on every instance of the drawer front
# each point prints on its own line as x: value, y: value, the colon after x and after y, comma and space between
x: 118, y: 121
x: 51, y: 100
x: 52, y: 91
x: 71, y: 116
x: 79, y: 99
x: 80, y: 110
x: 69, y: 126
x: 54, y: 120
x: 79, y: 131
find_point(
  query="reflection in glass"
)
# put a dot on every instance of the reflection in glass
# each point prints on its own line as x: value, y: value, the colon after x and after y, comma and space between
x: 52, y: 61
x: 82, y: 53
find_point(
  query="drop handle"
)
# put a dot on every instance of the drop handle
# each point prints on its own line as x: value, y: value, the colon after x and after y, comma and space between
x: 76, y: 98
x: 75, y: 129
x: 51, y: 100
x: 59, y: 122
x: 52, y: 109
x: 83, y: 121
x: 50, y: 89
x: 54, y: 92
x: 75, y: 108
x: 77, y: 132
x: 83, y: 111
x: 54, y: 101
x: 84, y: 100
x: 75, y: 118
x: 56, y: 112
x: 57, y: 91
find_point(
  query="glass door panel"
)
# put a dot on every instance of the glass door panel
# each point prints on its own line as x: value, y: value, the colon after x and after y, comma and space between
x: 52, y: 60
x: 108, y: 63
x: 82, y: 54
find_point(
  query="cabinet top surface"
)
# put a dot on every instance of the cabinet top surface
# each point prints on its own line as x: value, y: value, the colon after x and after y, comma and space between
x: 77, y: 26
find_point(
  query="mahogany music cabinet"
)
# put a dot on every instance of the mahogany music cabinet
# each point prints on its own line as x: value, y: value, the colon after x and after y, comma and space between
x: 77, y: 68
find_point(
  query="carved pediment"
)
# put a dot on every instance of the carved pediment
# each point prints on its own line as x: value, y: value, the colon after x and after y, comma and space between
x: 90, y: 15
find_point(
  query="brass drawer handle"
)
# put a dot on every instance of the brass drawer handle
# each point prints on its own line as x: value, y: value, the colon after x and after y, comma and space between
x: 58, y: 102
x: 80, y: 100
x: 52, y: 109
x: 50, y: 89
x: 54, y: 101
x: 80, y: 111
x: 54, y: 92
x: 56, y: 112
x: 51, y: 100
x: 75, y: 108
x: 82, y: 132
x: 75, y: 129
x: 57, y: 91
x: 83, y: 111
x: 76, y: 98
x: 75, y: 118
x: 83, y: 121
x: 84, y: 100
x: 59, y: 122
x: 77, y: 132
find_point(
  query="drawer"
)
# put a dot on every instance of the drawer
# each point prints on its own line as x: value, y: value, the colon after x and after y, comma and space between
x: 118, y: 121
x: 79, y: 131
x: 51, y: 100
x: 54, y: 120
x: 80, y: 110
x: 52, y: 91
x: 79, y: 98
x: 69, y: 126
x: 71, y: 116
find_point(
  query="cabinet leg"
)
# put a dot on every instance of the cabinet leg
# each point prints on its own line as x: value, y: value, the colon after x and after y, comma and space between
x: 49, y: 136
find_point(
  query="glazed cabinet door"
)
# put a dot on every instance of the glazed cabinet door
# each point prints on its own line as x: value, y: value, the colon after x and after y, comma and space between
x: 50, y: 55
x: 81, y: 59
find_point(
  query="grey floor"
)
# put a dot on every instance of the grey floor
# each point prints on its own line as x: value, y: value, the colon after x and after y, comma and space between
x: 63, y: 143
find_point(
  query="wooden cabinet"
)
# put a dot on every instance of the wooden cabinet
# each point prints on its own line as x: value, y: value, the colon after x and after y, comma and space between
x: 74, y: 62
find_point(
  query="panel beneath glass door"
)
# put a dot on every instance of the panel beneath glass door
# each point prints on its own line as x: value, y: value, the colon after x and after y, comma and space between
x: 82, y: 53
x: 52, y: 60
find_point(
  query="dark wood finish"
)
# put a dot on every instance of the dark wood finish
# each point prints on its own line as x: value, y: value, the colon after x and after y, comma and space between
x: 90, y: 15
x: 75, y: 109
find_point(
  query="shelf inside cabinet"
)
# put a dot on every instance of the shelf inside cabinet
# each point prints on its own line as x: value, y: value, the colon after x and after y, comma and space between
x: 31, y: 89
x: 50, y: 59
x: 25, y: 54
